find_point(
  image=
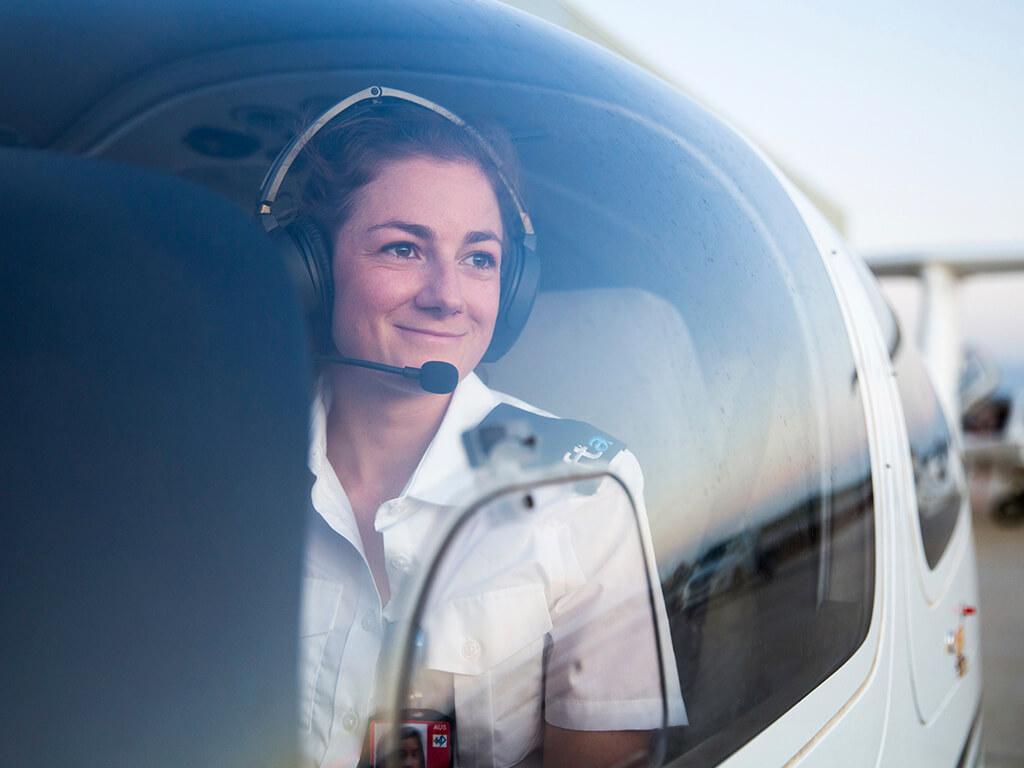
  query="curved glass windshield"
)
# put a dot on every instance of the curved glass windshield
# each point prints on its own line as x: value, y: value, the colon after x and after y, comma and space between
x: 684, y: 309
x: 536, y: 630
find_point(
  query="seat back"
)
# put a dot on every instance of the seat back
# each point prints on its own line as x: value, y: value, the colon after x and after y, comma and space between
x: 153, y: 420
x: 623, y: 360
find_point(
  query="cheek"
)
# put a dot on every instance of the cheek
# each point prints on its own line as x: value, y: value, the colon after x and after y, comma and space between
x: 485, y: 301
x: 363, y: 294
x: 358, y: 303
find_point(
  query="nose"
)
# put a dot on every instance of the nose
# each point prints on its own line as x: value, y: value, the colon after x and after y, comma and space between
x: 441, y: 292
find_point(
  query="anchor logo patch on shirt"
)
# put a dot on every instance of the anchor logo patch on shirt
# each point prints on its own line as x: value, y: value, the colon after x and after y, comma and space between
x: 546, y: 440
x: 594, y: 449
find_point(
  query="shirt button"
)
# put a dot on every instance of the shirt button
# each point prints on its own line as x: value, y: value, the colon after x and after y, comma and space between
x: 369, y: 621
x: 471, y: 648
x: 394, y: 508
x: 350, y: 721
x: 401, y: 563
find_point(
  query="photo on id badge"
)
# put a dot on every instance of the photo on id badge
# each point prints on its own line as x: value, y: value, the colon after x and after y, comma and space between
x: 421, y: 742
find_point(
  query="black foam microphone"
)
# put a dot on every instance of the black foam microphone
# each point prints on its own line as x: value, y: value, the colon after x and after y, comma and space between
x: 436, y: 376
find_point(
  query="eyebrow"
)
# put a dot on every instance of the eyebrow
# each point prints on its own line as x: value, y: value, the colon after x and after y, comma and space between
x: 417, y: 230
x: 426, y: 233
x: 480, y: 237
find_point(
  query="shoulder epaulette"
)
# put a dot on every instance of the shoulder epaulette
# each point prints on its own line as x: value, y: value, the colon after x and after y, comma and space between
x: 546, y: 440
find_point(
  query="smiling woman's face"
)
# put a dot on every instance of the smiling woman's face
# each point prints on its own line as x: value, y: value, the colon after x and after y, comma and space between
x: 417, y: 266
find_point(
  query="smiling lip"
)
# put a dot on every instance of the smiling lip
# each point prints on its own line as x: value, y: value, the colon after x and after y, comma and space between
x: 431, y: 334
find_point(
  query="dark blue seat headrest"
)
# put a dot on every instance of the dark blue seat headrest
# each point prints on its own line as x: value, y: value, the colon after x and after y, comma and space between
x: 153, y: 420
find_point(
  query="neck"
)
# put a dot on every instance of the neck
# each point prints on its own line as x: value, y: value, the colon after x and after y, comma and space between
x: 378, y: 428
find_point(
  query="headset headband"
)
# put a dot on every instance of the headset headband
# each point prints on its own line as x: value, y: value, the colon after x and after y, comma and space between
x: 274, y: 177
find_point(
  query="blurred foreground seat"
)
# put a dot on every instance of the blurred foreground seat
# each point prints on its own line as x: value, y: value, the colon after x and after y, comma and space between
x: 152, y: 475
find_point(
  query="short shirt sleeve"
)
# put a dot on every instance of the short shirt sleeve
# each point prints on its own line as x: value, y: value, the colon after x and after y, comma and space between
x: 610, y: 643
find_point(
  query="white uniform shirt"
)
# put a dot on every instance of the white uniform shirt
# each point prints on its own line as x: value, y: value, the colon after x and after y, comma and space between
x: 546, y: 601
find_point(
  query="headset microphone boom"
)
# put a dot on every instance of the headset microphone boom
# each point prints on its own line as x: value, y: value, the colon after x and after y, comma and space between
x: 435, y: 376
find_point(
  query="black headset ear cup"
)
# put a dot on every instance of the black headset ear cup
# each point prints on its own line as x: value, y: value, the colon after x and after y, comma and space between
x: 517, y: 296
x: 307, y: 256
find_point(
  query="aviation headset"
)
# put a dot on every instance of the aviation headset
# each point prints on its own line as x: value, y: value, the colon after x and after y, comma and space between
x: 307, y: 251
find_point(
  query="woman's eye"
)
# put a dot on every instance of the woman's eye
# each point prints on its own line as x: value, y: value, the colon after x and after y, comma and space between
x: 401, y: 250
x: 481, y: 260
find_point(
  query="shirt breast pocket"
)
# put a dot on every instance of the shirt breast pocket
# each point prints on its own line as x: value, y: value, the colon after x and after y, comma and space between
x: 321, y: 599
x: 493, y: 644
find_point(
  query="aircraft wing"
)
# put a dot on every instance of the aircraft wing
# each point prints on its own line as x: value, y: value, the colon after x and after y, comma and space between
x: 962, y: 261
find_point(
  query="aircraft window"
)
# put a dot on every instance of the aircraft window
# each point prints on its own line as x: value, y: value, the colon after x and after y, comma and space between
x: 989, y: 417
x: 689, y: 314
x: 683, y: 308
x: 484, y: 638
x: 938, y: 473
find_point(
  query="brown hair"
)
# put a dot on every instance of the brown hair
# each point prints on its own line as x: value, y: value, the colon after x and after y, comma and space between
x: 347, y: 156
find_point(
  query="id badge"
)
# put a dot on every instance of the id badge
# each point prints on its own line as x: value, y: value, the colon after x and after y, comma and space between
x: 425, y: 739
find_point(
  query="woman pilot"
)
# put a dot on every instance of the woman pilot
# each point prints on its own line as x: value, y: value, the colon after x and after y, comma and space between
x: 535, y: 654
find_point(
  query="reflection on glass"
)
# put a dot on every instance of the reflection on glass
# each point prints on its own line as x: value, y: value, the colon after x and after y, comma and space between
x: 753, y: 628
x: 537, y: 636
x: 771, y: 589
x: 684, y: 307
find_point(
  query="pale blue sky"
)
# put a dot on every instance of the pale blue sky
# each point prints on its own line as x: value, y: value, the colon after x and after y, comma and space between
x: 908, y: 115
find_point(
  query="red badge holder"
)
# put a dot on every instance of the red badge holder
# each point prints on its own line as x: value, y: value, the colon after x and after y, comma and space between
x: 425, y: 738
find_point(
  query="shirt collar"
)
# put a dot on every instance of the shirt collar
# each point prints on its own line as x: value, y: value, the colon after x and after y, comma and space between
x: 443, y: 474
x: 442, y: 477
x: 329, y: 498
